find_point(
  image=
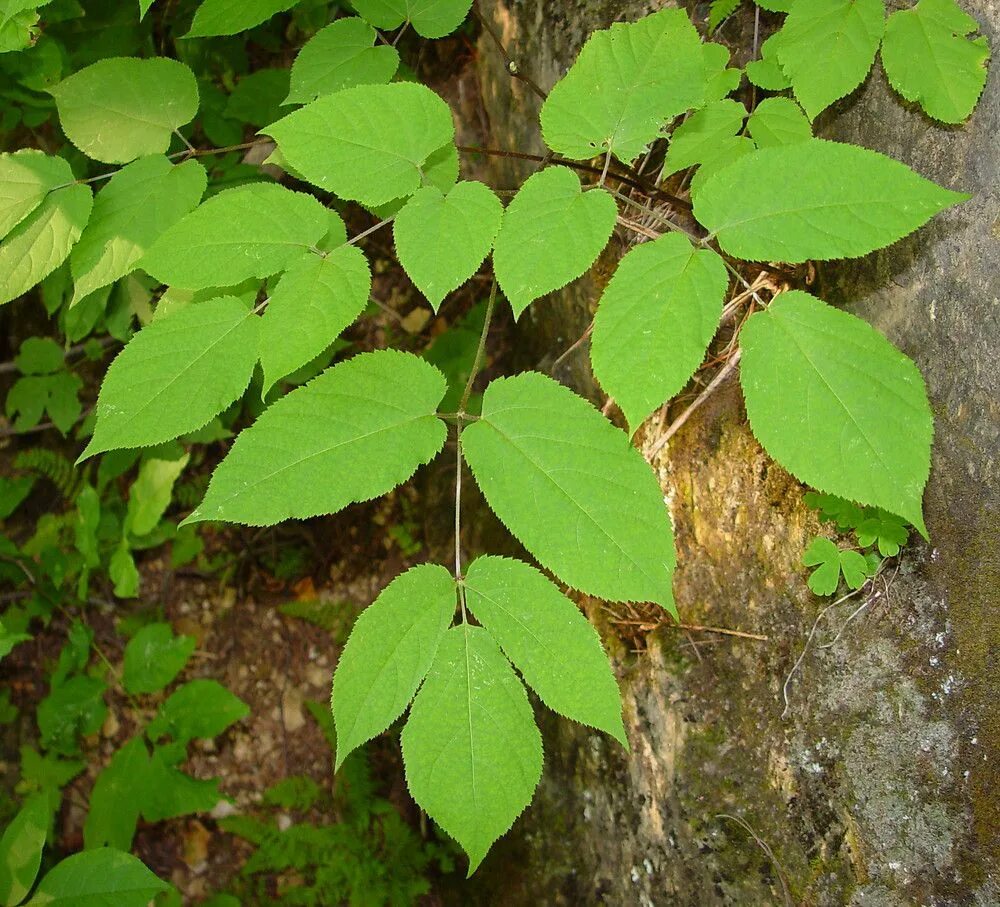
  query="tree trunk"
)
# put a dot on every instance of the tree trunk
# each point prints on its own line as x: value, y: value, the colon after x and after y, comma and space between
x: 877, y: 787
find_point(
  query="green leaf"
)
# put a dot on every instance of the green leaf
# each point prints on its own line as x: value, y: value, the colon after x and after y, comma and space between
x: 627, y: 82
x: 42, y: 240
x: 39, y: 356
x: 115, y: 801
x: 57, y: 394
x: 846, y: 514
x: 257, y: 97
x: 793, y: 203
x: 552, y: 232
x: 701, y: 135
x: 766, y: 72
x: 552, y: 644
x: 836, y: 404
x: 123, y: 572
x: 26, y: 177
x: 369, y: 143
x: 440, y: 171
x: 778, y: 121
x: 719, y: 11
x: 472, y: 751
x: 826, y: 48
x: 175, y: 375
x: 201, y: 709
x: 316, y: 298
x: 884, y: 528
x: 21, y: 849
x: 150, y: 493
x: 172, y: 793
x: 74, y: 707
x: 719, y: 80
x: 97, y: 878
x: 352, y: 434
x: 569, y: 486
x: 728, y: 152
x: 138, y: 204
x: 13, y: 493
x: 8, y: 640
x: 251, y: 231
x: 830, y: 562
x: 122, y: 108
x: 929, y: 60
x: 154, y: 657
x: 230, y: 17
x: 654, y: 322
x: 441, y: 240
x: 430, y: 18
x: 388, y: 653
x: 19, y: 24
x: 340, y: 56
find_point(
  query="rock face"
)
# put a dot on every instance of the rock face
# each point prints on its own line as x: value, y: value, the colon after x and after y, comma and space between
x: 877, y: 787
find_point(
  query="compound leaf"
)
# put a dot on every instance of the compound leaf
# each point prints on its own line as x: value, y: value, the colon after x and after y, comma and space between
x: 21, y: 848
x: 139, y: 203
x: 355, y: 432
x: 154, y: 657
x: 654, y: 322
x: 552, y: 232
x: 627, y: 82
x: 836, y: 404
x: 794, y: 202
x: 389, y: 652
x: 556, y: 649
x: 316, y: 298
x: 569, y: 486
x: 369, y: 143
x: 250, y: 231
x: 830, y: 562
x: 42, y: 240
x: 122, y: 108
x: 826, y: 48
x: 98, y: 877
x: 441, y: 240
x: 778, y: 121
x: 201, y: 709
x: 928, y: 58
x: 430, y: 18
x: 701, y: 135
x: 340, y: 56
x: 230, y: 17
x: 26, y: 177
x: 884, y: 528
x: 472, y: 752
x: 175, y: 375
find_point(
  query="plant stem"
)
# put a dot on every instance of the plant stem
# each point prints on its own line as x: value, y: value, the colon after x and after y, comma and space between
x: 477, y: 364
x: 360, y: 236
